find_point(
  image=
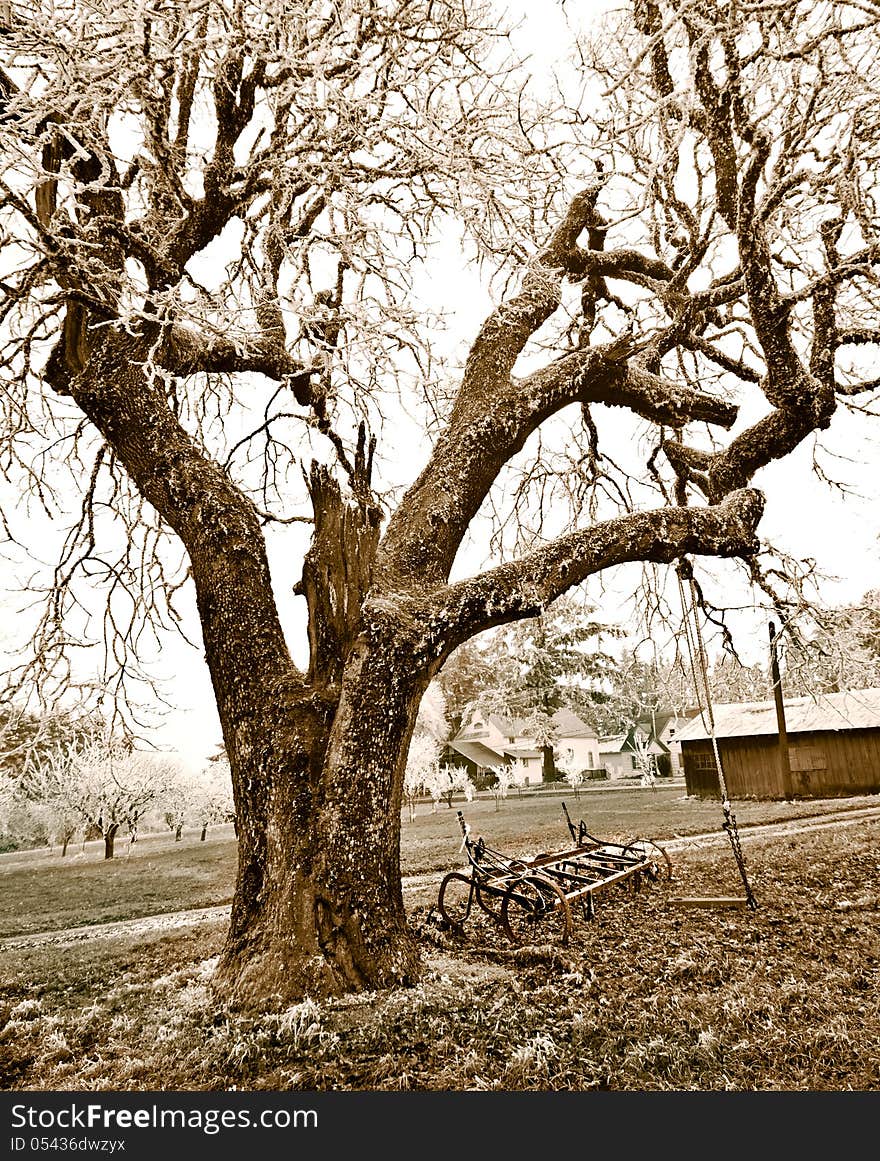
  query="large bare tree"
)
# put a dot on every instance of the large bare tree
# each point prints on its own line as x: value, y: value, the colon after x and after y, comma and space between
x: 214, y: 212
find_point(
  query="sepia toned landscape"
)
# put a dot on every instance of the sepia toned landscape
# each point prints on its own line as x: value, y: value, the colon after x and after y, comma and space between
x: 648, y: 995
x: 439, y: 539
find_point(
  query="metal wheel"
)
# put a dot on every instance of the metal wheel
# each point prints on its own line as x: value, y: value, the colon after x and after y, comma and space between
x: 489, y: 897
x: 489, y: 900
x: 660, y: 865
x: 454, y: 900
x: 535, y: 910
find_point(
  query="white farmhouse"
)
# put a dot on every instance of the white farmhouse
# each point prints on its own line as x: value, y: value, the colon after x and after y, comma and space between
x: 577, y: 744
x: 487, y: 740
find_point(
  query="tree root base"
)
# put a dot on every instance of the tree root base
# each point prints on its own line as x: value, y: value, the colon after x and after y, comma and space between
x: 270, y: 980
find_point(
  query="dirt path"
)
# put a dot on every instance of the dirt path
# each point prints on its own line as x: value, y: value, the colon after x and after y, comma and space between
x: 174, y: 920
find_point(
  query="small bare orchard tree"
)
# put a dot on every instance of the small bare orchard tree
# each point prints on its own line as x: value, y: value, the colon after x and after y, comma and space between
x: 106, y: 784
x: 212, y: 222
x: 44, y: 792
x: 31, y: 810
x: 443, y: 782
x: 507, y: 775
x: 199, y: 798
x: 575, y: 780
x: 30, y: 744
x: 176, y: 805
x: 573, y: 777
x: 645, y: 759
x: 519, y: 774
x: 210, y: 797
x: 422, y: 769
x: 500, y: 784
x: 63, y: 825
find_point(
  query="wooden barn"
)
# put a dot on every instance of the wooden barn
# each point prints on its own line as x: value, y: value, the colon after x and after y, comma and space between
x: 833, y: 748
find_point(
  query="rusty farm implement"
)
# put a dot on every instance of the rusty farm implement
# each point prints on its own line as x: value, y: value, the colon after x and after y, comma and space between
x: 531, y: 898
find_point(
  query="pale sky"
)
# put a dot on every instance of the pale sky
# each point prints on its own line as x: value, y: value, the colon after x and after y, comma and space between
x: 802, y: 515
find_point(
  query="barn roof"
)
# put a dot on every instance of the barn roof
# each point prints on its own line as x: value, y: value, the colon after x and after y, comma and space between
x: 854, y: 709
x: 663, y: 719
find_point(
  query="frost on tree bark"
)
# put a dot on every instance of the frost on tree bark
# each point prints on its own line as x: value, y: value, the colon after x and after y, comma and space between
x: 317, y: 754
x: 318, y: 758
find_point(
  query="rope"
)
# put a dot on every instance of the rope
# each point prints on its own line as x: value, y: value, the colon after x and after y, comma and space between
x: 697, y: 653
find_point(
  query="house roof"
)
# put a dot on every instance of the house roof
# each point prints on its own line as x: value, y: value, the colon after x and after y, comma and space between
x: 569, y: 725
x: 854, y: 709
x: 623, y: 744
x: 483, y: 755
x: 566, y: 722
x: 510, y: 727
x: 476, y: 752
x: 613, y: 744
x: 663, y: 720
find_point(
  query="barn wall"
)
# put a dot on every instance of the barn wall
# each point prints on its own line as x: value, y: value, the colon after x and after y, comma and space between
x: 823, y: 765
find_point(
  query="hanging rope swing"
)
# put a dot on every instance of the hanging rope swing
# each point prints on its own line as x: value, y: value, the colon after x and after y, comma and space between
x: 700, y: 670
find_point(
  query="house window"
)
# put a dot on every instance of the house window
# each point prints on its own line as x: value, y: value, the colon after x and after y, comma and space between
x: 703, y: 760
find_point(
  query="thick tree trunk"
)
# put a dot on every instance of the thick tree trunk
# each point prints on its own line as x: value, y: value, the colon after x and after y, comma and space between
x: 109, y: 841
x: 318, y: 907
x: 548, y: 765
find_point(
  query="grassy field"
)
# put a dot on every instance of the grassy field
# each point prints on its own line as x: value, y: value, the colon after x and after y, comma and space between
x: 647, y: 996
x: 40, y: 891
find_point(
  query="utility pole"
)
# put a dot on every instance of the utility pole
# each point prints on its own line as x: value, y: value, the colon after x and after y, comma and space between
x: 784, y: 765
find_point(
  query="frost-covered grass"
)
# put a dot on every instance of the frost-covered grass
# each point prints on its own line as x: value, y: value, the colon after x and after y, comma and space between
x: 40, y: 891
x: 535, y: 822
x: 155, y: 875
x: 647, y: 996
